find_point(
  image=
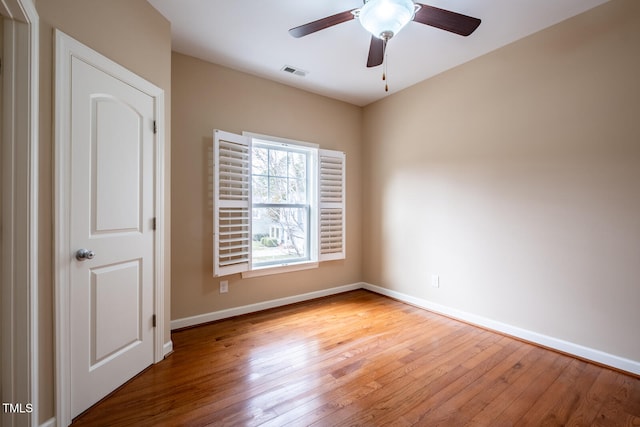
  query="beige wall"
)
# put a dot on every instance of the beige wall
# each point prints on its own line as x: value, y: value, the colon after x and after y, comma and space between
x: 1, y: 59
x: 135, y: 35
x: 516, y: 178
x: 1, y: 175
x: 1, y: 97
x: 207, y: 97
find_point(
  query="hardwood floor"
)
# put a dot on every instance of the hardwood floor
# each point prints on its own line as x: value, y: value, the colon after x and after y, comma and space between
x: 363, y: 359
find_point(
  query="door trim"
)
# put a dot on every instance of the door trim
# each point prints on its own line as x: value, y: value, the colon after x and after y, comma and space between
x: 20, y: 143
x: 66, y: 48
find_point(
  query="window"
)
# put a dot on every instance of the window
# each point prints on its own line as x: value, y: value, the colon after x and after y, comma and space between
x: 276, y: 203
x: 281, y: 188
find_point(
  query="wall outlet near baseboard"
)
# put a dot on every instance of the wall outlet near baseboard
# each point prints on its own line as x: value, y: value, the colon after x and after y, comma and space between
x: 435, y: 281
x: 224, y: 286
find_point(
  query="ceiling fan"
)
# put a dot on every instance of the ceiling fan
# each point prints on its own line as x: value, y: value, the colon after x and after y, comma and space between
x: 385, y: 18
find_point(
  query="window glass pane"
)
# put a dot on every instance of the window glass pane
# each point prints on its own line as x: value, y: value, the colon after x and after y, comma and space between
x: 280, y: 235
x: 260, y: 189
x: 297, y: 165
x: 277, y: 190
x: 260, y: 161
x: 297, y: 191
x: 277, y: 163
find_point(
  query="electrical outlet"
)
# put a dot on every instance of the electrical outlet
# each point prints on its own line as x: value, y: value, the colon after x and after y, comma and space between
x: 224, y: 286
x: 435, y: 281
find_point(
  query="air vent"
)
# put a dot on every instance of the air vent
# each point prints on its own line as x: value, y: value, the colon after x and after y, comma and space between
x: 292, y: 70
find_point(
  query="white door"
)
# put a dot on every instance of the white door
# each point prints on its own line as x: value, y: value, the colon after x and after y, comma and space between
x: 111, y: 209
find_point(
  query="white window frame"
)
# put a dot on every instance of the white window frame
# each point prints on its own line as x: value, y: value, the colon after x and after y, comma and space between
x: 311, y: 152
x: 327, y: 206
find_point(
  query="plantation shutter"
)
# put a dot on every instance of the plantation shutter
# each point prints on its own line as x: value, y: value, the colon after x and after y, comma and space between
x: 331, y: 227
x: 231, y: 203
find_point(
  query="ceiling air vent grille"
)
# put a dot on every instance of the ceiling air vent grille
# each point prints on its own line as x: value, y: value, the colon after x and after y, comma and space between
x: 292, y: 70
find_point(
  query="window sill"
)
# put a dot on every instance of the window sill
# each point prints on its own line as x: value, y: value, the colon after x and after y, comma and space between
x: 266, y: 271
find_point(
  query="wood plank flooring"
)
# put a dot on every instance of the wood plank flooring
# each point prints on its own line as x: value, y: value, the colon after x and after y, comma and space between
x: 360, y: 359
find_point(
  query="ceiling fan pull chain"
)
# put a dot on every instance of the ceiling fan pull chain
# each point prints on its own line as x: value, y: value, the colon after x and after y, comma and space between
x: 384, y: 64
x: 384, y: 71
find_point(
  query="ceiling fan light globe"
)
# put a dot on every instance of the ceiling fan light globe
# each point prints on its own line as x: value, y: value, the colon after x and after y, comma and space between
x: 384, y: 17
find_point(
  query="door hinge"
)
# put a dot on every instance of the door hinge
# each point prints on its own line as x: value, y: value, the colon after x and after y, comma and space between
x: 155, y: 127
x: 153, y: 226
x: 153, y: 320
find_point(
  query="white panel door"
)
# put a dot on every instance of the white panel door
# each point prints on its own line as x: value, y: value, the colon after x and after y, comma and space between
x: 111, y: 215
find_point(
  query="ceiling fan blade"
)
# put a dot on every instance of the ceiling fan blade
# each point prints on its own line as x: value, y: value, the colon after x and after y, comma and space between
x: 321, y: 24
x: 376, y: 52
x: 446, y: 20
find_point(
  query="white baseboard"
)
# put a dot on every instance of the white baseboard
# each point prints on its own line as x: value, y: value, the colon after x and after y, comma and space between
x: 51, y: 422
x: 251, y: 308
x: 578, y: 350
x: 167, y: 348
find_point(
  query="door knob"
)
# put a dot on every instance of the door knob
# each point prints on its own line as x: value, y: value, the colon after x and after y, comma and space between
x: 83, y: 254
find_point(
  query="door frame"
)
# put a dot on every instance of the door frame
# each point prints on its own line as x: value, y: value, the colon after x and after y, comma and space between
x: 66, y: 48
x: 19, y: 218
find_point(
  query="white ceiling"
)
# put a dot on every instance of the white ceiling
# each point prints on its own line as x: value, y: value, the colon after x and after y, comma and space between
x: 252, y: 36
